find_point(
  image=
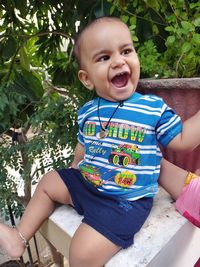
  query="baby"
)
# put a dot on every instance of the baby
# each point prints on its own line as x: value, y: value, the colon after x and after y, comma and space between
x: 114, y: 175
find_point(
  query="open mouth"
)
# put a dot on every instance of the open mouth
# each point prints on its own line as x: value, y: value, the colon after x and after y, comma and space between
x: 120, y: 80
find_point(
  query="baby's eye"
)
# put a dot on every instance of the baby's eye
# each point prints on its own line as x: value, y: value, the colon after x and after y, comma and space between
x: 103, y: 58
x: 127, y: 51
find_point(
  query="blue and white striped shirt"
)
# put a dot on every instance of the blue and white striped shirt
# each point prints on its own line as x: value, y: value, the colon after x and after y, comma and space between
x: 126, y: 163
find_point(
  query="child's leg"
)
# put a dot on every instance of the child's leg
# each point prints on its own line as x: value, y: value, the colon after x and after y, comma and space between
x: 50, y: 189
x: 89, y: 248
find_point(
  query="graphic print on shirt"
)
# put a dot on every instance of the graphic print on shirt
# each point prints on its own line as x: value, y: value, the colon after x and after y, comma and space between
x: 125, y: 179
x: 91, y: 174
x: 124, y: 155
x: 122, y: 131
x: 120, y: 156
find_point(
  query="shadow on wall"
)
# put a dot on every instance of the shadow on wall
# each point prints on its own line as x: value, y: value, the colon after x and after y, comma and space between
x: 183, y: 95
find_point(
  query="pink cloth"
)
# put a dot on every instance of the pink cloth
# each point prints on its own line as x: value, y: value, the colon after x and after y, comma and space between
x: 197, y: 264
x: 188, y: 203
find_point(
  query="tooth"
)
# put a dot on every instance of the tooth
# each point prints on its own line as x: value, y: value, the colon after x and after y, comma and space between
x: 119, y: 74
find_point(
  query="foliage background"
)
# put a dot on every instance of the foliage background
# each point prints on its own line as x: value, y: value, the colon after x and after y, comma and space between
x: 39, y: 90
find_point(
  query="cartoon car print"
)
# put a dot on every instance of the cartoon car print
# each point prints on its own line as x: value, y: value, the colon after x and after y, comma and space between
x: 91, y: 174
x: 125, y: 155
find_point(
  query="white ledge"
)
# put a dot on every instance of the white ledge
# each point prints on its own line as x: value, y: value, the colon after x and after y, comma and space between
x: 160, y: 242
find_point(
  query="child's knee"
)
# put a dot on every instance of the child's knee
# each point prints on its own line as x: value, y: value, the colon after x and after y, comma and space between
x: 47, y: 183
x: 52, y: 185
x: 45, y: 178
x: 79, y: 257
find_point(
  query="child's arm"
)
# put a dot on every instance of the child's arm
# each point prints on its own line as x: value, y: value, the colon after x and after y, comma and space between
x: 184, y: 187
x: 172, y: 178
x: 190, y: 136
x: 78, y: 155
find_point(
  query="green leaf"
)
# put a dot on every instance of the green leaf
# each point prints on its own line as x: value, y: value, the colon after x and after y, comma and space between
x: 134, y: 38
x: 112, y: 9
x: 194, y: 5
x: 169, y: 29
x: 186, y: 47
x: 197, y: 22
x: 170, y: 40
x: 34, y: 83
x: 9, y: 47
x: 22, y: 6
x: 196, y: 38
x: 155, y: 29
x: 27, y: 84
x: 124, y: 18
x: 24, y: 60
x: 4, y: 101
x: 187, y: 26
x: 133, y: 20
x: 132, y: 27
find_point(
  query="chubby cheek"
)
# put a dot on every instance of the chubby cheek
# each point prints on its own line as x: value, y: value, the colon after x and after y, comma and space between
x: 101, y: 77
x: 136, y: 69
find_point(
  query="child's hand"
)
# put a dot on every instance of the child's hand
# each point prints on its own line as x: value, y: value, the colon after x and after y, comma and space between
x: 198, y: 172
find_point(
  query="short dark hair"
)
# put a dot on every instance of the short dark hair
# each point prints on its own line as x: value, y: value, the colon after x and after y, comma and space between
x: 77, y: 43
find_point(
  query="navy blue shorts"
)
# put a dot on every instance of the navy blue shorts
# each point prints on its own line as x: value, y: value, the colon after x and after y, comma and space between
x: 115, y: 218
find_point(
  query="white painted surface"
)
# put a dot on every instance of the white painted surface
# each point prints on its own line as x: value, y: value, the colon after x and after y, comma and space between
x: 166, y: 239
x: 183, y: 250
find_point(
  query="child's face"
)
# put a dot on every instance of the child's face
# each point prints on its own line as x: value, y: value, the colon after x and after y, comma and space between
x: 109, y: 61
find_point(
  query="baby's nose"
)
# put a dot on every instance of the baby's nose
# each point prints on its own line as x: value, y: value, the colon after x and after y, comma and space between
x: 117, y: 61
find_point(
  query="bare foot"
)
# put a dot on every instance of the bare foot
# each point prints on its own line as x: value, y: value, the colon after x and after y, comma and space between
x: 10, y: 241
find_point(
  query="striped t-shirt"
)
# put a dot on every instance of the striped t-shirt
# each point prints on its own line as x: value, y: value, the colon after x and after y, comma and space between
x: 126, y: 163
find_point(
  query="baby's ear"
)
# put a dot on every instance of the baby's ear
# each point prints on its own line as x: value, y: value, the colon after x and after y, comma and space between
x: 84, y: 78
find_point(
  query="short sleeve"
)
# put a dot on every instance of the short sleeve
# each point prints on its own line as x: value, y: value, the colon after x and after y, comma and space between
x: 80, y: 137
x: 80, y: 126
x: 169, y: 126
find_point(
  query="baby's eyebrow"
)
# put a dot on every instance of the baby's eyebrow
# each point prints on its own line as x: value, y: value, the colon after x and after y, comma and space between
x: 126, y: 46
